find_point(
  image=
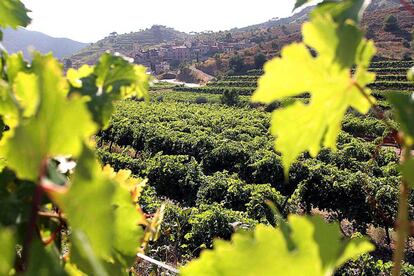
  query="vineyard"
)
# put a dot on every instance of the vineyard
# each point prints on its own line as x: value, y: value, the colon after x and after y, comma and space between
x: 391, y: 76
x: 215, y: 166
x: 302, y: 168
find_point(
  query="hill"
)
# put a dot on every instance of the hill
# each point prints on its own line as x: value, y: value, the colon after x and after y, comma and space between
x: 267, y: 38
x: 22, y: 39
x: 125, y: 43
x: 393, y: 43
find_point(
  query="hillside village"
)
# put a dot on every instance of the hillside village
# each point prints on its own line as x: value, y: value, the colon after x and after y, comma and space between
x: 160, y: 59
x: 164, y: 51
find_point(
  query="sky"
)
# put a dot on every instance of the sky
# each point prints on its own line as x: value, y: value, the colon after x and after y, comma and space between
x: 91, y: 20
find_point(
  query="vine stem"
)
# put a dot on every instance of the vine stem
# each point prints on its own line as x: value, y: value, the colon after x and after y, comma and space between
x: 403, y: 225
x: 31, y: 229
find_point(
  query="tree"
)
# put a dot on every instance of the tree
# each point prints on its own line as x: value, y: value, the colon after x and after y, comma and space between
x: 391, y: 24
x: 236, y: 64
x: 259, y: 60
x: 229, y: 37
x: 407, y: 56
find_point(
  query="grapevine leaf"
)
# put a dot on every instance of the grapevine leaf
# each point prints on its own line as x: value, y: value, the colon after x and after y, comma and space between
x: 113, y: 78
x: 300, y: 3
x: 14, y: 209
x: 85, y: 256
x: 7, y: 252
x: 13, y: 14
x: 127, y: 217
x: 59, y: 126
x: 115, y: 233
x: 74, y: 76
x: 8, y: 109
x: 404, y: 112
x: 343, y: 10
x: 44, y: 260
x: 319, y: 250
x: 15, y: 65
x: 91, y: 191
x: 327, y: 78
x: 27, y: 93
x: 337, y: 43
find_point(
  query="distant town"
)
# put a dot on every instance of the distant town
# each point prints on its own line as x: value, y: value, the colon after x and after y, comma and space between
x: 161, y: 59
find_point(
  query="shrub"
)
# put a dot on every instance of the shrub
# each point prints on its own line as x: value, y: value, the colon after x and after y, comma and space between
x: 201, y: 100
x: 259, y: 60
x: 175, y: 176
x: 230, y: 97
x: 264, y: 167
x: 227, y: 156
x: 214, y: 221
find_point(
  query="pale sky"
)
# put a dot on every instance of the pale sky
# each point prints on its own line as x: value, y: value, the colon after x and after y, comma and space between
x: 91, y: 20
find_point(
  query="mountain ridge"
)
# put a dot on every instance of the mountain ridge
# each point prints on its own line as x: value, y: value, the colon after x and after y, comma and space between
x: 23, y: 40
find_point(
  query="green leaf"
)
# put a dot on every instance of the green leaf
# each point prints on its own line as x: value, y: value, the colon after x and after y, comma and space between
x: 109, y: 244
x: 319, y: 250
x: 300, y: 3
x: 9, y: 111
x: 91, y: 191
x: 327, y: 78
x: 15, y: 65
x: 13, y: 14
x: 58, y: 127
x: 334, y: 43
x: 403, y: 106
x: 8, y: 250
x: 44, y: 260
x: 342, y: 11
x: 113, y: 78
x: 128, y: 231
x: 26, y: 93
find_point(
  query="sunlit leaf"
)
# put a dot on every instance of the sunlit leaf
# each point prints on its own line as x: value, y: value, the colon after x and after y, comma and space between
x: 13, y: 14
x: 318, y: 250
x: 113, y: 78
x: 54, y: 130
x: 8, y: 250
x: 327, y: 78
x: 91, y: 191
x: 115, y: 235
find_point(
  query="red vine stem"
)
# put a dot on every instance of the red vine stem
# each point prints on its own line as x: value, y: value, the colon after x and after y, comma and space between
x: 31, y: 229
x: 53, y: 235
